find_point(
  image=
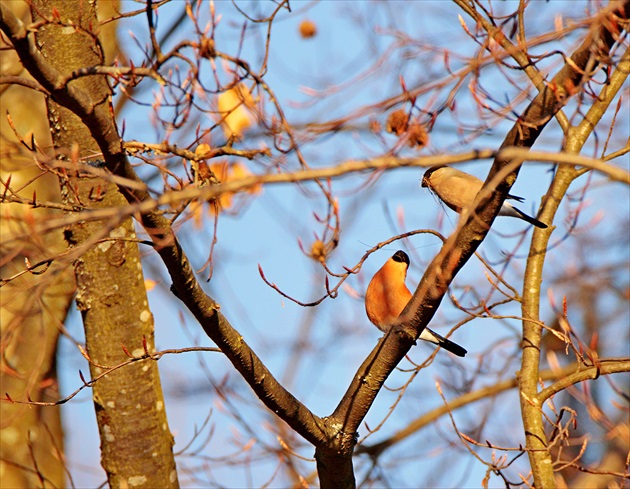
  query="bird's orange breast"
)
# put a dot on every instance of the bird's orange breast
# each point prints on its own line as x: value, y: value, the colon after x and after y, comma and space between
x: 385, y: 298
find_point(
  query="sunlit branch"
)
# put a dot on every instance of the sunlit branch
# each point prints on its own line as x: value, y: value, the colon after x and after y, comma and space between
x: 171, y: 149
x: 605, y: 366
x: 575, y: 372
x: 19, y: 80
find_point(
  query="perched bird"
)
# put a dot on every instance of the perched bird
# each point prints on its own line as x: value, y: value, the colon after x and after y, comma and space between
x: 458, y: 191
x: 387, y: 295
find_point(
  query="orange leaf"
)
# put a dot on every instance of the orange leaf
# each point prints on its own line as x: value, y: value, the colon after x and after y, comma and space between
x: 234, y: 109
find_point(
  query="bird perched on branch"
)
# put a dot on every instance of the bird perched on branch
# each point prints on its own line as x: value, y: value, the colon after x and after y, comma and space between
x: 458, y: 191
x: 387, y: 295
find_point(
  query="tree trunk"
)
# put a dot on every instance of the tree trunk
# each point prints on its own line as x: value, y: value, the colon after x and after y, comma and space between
x: 136, y: 449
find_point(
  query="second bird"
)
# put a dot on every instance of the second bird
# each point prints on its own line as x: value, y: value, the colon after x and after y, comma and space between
x: 458, y: 191
x: 387, y: 295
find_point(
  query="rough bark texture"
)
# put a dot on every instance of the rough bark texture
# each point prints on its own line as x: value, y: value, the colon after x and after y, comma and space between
x: 136, y: 444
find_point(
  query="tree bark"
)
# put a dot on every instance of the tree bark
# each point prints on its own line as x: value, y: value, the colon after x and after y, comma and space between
x: 136, y: 445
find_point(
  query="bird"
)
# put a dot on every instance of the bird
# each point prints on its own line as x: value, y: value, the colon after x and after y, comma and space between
x: 458, y: 190
x: 387, y: 295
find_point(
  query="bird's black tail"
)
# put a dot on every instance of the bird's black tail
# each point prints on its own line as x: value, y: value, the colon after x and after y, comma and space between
x: 529, y: 219
x: 433, y: 337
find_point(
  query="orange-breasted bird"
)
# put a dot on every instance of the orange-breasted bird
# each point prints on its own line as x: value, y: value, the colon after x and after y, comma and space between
x: 387, y: 295
x: 458, y: 191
